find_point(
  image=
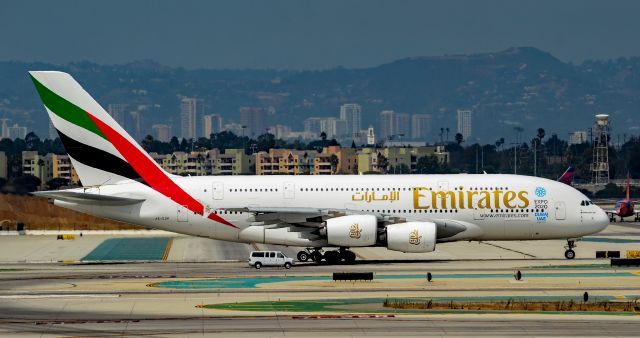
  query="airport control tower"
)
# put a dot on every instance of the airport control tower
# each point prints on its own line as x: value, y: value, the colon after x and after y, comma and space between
x: 600, y: 165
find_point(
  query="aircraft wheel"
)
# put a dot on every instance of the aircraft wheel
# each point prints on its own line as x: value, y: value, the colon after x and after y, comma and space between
x: 570, y: 254
x: 303, y: 256
x: 316, y: 256
x: 332, y: 257
x: 348, y: 256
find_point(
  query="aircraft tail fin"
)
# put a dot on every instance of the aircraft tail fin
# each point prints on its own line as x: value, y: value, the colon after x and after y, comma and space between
x: 567, y: 177
x: 101, y: 151
x: 628, y: 185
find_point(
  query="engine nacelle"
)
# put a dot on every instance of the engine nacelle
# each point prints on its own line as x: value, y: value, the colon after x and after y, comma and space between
x: 412, y: 237
x: 352, y: 230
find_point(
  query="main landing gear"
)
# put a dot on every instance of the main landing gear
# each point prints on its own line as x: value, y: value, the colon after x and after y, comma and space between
x: 340, y: 256
x: 569, y: 253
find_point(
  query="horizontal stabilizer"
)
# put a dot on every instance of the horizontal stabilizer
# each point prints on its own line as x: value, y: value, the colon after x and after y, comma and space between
x: 84, y: 198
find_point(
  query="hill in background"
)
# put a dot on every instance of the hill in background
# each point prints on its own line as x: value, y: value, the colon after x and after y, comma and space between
x: 523, y: 87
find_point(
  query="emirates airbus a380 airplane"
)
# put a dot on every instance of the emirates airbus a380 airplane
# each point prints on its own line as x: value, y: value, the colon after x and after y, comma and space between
x: 407, y: 213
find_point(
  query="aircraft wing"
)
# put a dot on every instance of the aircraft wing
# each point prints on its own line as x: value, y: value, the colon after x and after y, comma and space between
x: 86, y: 198
x: 315, y: 217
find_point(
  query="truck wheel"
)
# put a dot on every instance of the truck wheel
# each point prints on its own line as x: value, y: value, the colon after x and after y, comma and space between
x: 287, y: 265
x: 258, y: 265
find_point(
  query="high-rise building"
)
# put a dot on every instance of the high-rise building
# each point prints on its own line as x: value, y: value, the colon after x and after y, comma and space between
x: 191, y: 109
x: 16, y: 131
x: 464, y: 123
x: 388, y: 122
x: 118, y: 113
x: 420, y: 126
x: 403, y: 124
x: 312, y: 125
x: 134, y: 123
x: 211, y: 124
x: 333, y: 127
x: 4, y: 128
x: 280, y: 131
x: 162, y: 132
x: 352, y: 114
x: 254, y: 121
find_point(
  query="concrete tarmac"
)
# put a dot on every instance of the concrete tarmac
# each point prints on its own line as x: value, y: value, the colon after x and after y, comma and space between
x: 100, y: 299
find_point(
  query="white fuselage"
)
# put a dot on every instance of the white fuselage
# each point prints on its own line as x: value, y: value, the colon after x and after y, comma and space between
x: 492, y: 207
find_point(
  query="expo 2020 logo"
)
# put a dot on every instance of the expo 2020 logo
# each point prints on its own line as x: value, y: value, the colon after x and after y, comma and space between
x: 541, y: 192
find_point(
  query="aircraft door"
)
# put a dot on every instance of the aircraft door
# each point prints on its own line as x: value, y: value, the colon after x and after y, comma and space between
x: 561, y: 210
x: 218, y: 190
x: 289, y: 190
x: 182, y: 214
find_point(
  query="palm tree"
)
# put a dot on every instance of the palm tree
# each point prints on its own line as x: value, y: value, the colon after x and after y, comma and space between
x: 383, y: 163
x: 334, y: 163
x: 459, y: 138
x: 40, y: 165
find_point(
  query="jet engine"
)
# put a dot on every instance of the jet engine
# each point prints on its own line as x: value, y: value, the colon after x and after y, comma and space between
x: 412, y: 237
x: 352, y: 230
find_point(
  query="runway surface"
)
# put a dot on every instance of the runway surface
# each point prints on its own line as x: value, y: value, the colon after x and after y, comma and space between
x: 204, y: 288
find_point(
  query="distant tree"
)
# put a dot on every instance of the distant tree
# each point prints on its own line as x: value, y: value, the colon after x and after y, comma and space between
x: 400, y: 169
x: 500, y: 142
x: 23, y: 185
x: 383, y: 163
x: 56, y: 183
x: 32, y: 141
x: 265, y: 142
x: 184, y: 145
x: 459, y: 138
x: 540, y: 134
x: 430, y: 165
x: 353, y: 144
x: 147, y: 142
x: 334, y: 163
x: 175, y: 144
x: 323, y: 136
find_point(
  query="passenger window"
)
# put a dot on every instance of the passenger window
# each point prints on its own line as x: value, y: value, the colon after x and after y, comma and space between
x: 272, y: 254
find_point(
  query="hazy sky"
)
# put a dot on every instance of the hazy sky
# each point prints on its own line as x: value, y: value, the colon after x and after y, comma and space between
x: 309, y: 34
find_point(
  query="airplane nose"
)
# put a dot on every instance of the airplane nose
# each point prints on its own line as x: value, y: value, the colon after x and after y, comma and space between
x: 601, y: 221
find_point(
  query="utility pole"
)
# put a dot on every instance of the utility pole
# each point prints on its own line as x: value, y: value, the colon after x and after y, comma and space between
x: 535, y: 158
x: 477, y: 145
x: 515, y: 157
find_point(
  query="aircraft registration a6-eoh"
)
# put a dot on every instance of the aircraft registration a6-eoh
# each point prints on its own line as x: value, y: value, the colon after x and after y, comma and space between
x: 407, y: 213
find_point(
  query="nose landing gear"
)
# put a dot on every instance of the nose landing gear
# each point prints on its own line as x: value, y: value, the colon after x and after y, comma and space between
x: 569, y: 253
